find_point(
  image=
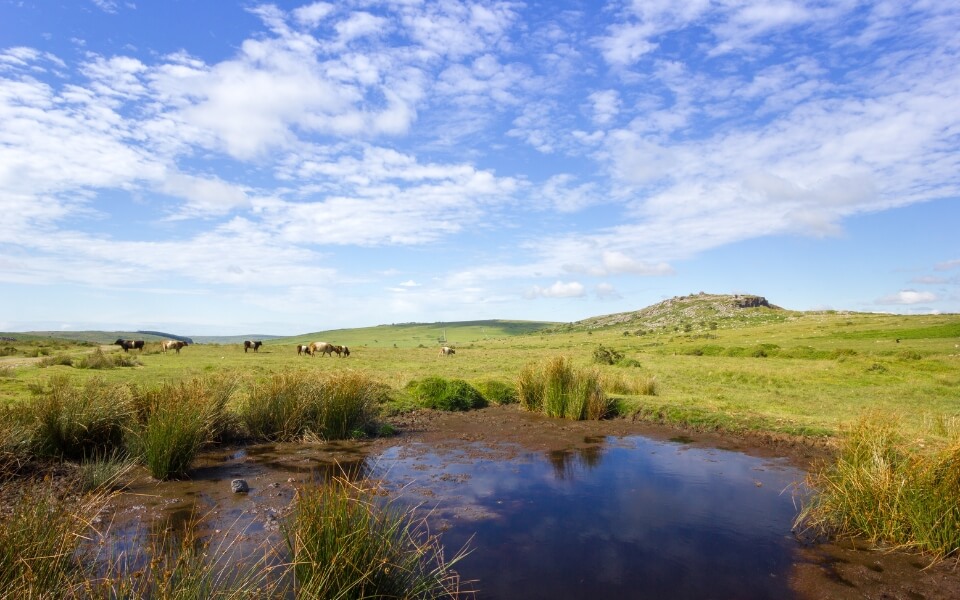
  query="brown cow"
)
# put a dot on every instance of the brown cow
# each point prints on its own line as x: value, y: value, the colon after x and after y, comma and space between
x: 172, y: 345
x: 324, y: 348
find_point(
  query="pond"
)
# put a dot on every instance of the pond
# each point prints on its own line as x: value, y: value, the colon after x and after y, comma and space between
x: 619, y: 518
x: 613, y: 517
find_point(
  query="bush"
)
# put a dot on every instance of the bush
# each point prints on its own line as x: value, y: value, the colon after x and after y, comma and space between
x: 628, y: 362
x: 75, y: 421
x: 443, y: 394
x: 499, y: 392
x: 606, y: 356
x: 345, y: 546
x: 556, y: 389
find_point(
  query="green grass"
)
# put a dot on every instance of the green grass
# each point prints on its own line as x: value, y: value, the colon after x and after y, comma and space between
x: 39, y: 541
x: 558, y: 389
x: 176, y: 420
x: 76, y: 421
x: 779, y: 371
x: 334, y: 405
x: 446, y: 394
x: 347, y: 546
x: 890, y: 489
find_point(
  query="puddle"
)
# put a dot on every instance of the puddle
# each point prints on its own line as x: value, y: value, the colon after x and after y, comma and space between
x: 636, y: 518
x: 614, y: 517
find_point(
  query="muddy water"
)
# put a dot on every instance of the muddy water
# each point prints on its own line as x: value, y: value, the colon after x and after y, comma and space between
x: 616, y: 517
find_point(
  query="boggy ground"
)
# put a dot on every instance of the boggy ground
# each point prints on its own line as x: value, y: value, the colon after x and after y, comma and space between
x: 842, y: 570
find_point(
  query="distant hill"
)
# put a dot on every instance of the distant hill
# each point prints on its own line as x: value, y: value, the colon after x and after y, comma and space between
x: 406, y: 335
x: 95, y: 337
x: 696, y: 311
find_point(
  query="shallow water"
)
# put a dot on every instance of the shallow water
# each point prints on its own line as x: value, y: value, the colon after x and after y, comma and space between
x: 626, y: 517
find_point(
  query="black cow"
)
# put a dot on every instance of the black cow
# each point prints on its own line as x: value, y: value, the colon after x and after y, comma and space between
x: 248, y: 344
x: 128, y: 345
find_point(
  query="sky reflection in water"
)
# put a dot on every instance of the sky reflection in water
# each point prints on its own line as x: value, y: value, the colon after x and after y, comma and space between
x: 629, y: 518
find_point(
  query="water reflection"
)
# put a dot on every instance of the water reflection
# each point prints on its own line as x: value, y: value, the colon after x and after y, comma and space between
x: 635, y: 519
x: 566, y: 463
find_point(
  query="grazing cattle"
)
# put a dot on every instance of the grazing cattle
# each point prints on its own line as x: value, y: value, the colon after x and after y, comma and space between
x: 303, y: 349
x: 324, y: 348
x: 346, y: 352
x: 248, y: 345
x: 128, y: 345
x: 446, y: 351
x: 172, y: 345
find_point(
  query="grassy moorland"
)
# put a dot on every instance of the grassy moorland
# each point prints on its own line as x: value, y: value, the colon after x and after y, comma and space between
x: 886, y: 388
x: 693, y: 361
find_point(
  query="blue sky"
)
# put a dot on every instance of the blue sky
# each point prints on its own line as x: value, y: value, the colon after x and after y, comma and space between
x: 225, y: 168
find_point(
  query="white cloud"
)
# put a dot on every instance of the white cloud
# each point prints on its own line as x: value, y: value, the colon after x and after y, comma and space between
x: 559, y: 289
x: 311, y: 15
x: 908, y: 297
x: 948, y: 264
x: 607, y: 291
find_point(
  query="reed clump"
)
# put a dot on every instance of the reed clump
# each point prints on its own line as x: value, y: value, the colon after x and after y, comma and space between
x: 289, y: 404
x: 890, y: 490
x: 39, y: 541
x: 557, y: 389
x: 176, y: 420
x: 74, y: 421
x: 629, y: 385
x: 344, y: 545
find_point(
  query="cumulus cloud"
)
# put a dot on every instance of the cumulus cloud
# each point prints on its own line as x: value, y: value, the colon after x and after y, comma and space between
x: 560, y: 289
x: 907, y: 297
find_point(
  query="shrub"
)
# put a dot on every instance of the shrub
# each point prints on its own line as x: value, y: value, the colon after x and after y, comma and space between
x: 606, y: 356
x: 74, y: 421
x: 499, y: 392
x: 889, y: 489
x: 628, y: 362
x: 556, y: 389
x: 764, y: 350
x: 443, y: 394
x: 345, y: 546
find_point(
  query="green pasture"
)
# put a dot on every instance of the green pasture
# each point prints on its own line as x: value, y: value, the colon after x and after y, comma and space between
x: 781, y: 371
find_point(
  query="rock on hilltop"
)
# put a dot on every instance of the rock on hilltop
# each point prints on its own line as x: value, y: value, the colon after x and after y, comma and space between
x: 698, y: 310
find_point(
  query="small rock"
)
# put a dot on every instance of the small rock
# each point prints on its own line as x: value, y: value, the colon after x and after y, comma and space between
x: 239, y: 486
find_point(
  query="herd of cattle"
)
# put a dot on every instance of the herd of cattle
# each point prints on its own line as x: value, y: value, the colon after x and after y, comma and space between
x: 323, y: 348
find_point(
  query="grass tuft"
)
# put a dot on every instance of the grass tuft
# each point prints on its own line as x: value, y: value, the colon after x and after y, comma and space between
x: 556, y: 389
x: 346, y: 546
x: 74, y: 421
x: 889, y: 489
x: 446, y: 394
x: 177, y: 419
x: 289, y: 404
